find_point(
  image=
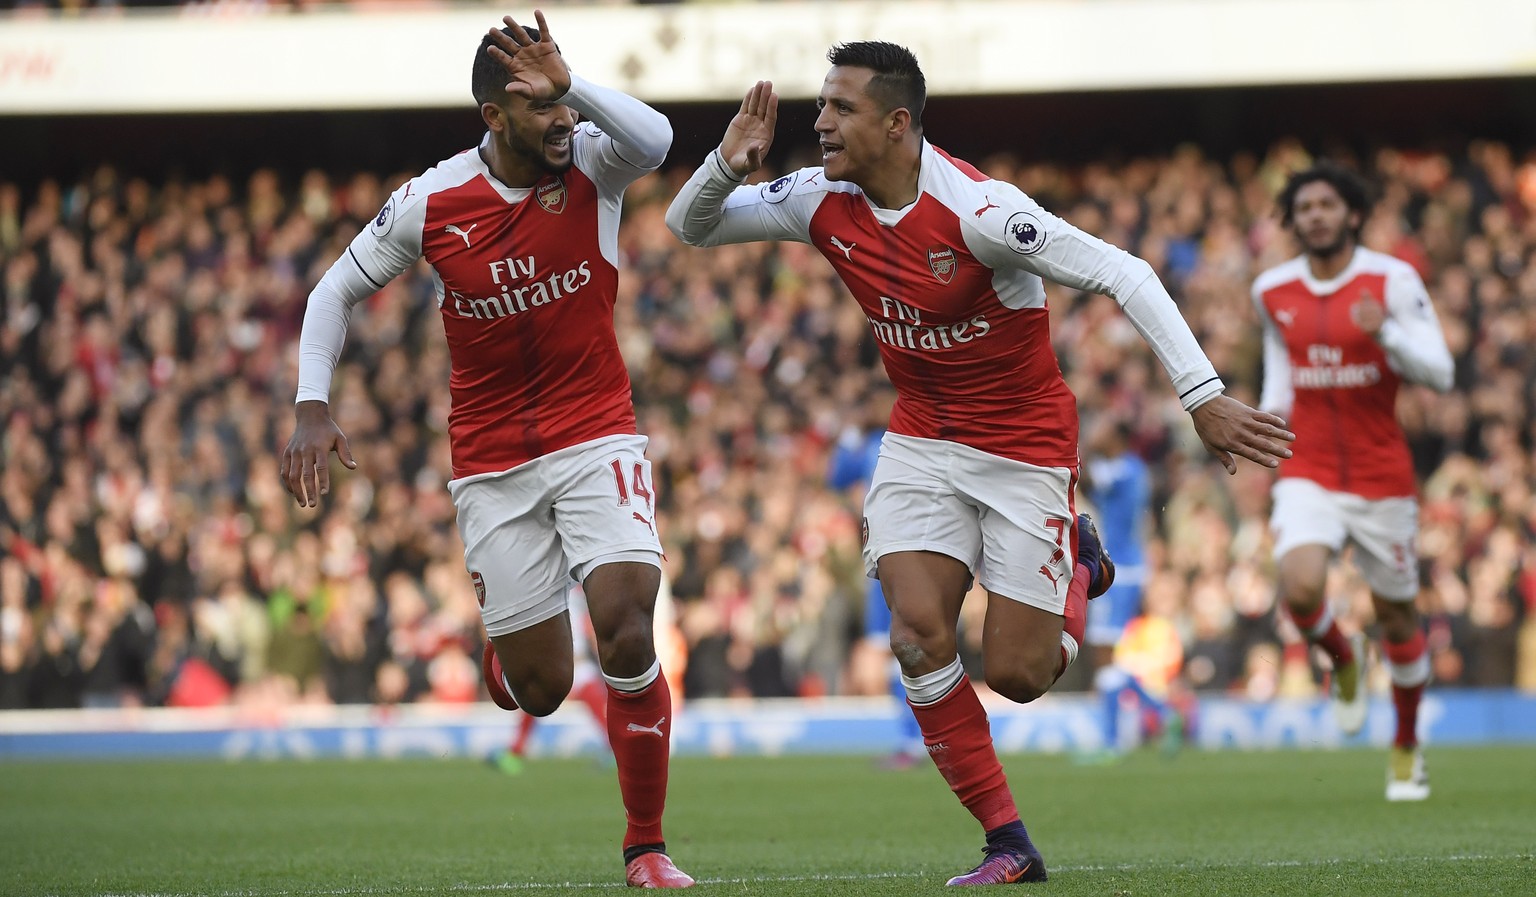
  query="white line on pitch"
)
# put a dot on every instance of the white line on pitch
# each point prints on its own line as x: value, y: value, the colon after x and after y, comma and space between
x: 775, y: 879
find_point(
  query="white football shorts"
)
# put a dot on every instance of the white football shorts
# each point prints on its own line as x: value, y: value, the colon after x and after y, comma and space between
x: 1383, y: 532
x: 1012, y: 524
x: 531, y: 530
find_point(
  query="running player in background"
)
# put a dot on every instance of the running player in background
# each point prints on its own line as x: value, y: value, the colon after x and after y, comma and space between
x: 550, y: 478
x: 977, y: 469
x: 1343, y: 327
x: 1118, y: 485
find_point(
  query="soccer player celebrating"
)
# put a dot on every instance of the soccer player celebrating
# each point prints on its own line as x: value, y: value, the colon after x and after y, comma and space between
x: 1343, y: 326
x: 550, y: 478
x: 976, y: 471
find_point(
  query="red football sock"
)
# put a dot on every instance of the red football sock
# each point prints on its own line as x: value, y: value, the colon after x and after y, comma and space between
x: 594, y: 694
x: 524, y: 729
x: 1321, y: 629
x: 1408, y: 662
x: 1406, y: 700
x: 1075, y: 616
x: 960, y: 742
x: 640, y: 731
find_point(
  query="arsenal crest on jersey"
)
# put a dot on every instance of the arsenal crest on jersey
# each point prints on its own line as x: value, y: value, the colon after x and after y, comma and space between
x: 552, y: 196
x: 941, y: 261
x: 479, y: 582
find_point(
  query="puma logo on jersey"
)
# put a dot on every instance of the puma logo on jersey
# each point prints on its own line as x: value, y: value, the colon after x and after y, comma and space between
x: 990, y: 205
x: 1286, y: 316
x: 1046, y: 572
x: 847, y: 250
x: 644, y: 521
x: 455, y: 229
x: 649, y: 730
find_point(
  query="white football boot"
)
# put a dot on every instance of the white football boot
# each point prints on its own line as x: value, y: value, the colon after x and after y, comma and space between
x: 1347, y: 685
x: 1406, y: 778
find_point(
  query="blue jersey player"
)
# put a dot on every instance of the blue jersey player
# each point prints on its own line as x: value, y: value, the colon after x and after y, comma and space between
x: 1119, y: 486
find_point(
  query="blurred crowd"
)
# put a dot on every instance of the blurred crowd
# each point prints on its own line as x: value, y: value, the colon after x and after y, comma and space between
x: 148, y: 553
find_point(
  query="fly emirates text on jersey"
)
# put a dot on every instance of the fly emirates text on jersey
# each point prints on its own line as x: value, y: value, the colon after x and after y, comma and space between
x: 1325, y: 369
x: 520, y: 291
x: 902, y: 326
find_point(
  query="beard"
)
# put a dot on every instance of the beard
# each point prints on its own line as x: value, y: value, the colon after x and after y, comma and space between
x: 536, y: 154
x: 1333, y: 246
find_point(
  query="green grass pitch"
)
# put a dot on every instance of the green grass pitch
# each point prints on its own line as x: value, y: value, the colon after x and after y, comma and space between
x: 1284, y: 823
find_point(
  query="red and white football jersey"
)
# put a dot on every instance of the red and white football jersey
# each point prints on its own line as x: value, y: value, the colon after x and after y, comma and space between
x: 951, y: 286
x: 526, y: 280
x: 1335, y: 384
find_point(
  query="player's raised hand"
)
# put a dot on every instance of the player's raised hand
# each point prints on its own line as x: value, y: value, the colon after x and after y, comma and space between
x: 304, y: 466
x: 537, y: 70
x: 750, y: 133
x: 1228, y: 427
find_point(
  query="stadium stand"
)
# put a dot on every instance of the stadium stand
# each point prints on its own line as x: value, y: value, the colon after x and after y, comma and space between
x: 149, y: 555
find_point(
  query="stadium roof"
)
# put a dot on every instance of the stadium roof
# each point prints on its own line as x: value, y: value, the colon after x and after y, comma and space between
x: 417, y: 57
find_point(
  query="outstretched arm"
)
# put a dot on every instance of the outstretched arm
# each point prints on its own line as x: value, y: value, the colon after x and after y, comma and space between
x: 1018, y: 233
x: 1015, y: 232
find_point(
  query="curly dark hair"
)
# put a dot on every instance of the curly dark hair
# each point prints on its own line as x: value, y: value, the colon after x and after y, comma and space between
x: 1350, y: 187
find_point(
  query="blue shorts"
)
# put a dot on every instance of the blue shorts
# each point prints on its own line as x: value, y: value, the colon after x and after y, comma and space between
x: 1109, y: 613
x: 877, y: 617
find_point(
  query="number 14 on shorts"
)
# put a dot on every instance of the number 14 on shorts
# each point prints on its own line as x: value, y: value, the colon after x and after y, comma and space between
x: 636, y: 486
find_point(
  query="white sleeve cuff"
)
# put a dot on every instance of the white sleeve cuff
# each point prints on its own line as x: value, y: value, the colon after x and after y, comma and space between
x: 1202, y: 393
x: 723, y: 170
x: 1391, y: 334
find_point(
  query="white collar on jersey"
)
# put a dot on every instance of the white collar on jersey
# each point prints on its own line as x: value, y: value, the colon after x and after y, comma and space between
x: 1330, y: 286
x: 892, y: 217
x: 477, y: 159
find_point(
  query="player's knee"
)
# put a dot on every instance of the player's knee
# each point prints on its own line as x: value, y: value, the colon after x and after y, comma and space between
x: 919, y: 641
x: 916, y: 652
x: 1301, y: 584
x: 1021, y: 683
x: 1398, y: 621
x: 1301, y: 593
x: 541, y: 698
x: 629, y: 648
